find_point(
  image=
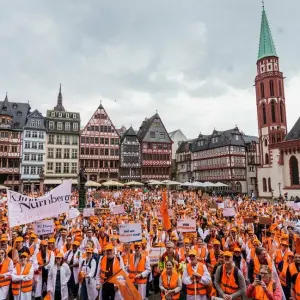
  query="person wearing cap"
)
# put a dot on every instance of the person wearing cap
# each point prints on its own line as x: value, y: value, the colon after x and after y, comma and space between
x: 211, y: 235
x: 90, y: 237
x: 240, y: 262
x: 201, y: 249
x: 6, y: 270
x: 169, y: 255
x: 4, y: 244
x: 196, y: 279
x: 17, y: 249
x: 234, y: 240
x: 61, y: 240
x: 213, y: 255
x: 229, y: 280
x: 108, y: 266
x: 45, y: 260
x: 88, y: 271
x: 158, y: 236
x: 282, y: 272
x: 281, y: 254
x: 72, y: 258
x: 22, y: 278
x: 51, y: 246
x: 103, y: 237
x: 33, y: 244
x: 264, y: 287
x: 139, y: 269
x: 58, y: 278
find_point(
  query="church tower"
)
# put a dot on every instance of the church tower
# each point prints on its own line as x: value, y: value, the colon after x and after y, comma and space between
x: 270, y: 99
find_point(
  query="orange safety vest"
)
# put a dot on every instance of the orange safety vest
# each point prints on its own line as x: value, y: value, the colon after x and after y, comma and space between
x: 170, y: 285
x: 4, y: 269
x: 260, y: 293
x: 282, y: 274
x: 297, y: 287
x: 228, y: 284
x: 40, y: 259
x: 103, y: 241
x: 213, y: 260
x: 257, y: 265
x: 279, y: 257
x: 26, y: 286
x: 201, y: 253
x: 116, y: 267
x: 141, y: 266
x: 31, y: 249
x: 196, y: 285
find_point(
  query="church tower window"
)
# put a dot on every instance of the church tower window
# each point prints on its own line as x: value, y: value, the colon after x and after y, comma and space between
x: 294, y: 170
x: 264, y: 114
x: 264, y: 184
x: 273, y: 111
x: 271, y: 88
x: 262, y: 90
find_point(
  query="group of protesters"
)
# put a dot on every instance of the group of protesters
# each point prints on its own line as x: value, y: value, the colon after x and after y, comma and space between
x: 254, y: 253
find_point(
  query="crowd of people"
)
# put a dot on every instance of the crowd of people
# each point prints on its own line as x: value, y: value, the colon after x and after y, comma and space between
x: 254, y: 253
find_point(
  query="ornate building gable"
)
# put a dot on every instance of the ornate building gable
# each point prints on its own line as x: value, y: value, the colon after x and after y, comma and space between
x: 35, y: 120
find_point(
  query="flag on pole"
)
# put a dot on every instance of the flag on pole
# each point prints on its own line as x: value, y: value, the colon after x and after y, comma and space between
x: 126, y: 287
x: 164, y: 211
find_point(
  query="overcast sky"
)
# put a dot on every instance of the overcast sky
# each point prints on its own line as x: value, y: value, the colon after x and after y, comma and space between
x: 193, y: 61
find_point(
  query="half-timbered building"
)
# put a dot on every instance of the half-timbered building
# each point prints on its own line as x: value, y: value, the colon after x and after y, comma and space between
x: 156, y: 149
x: 12, y: 119
x: 99, y: 147
x: 130, y: 156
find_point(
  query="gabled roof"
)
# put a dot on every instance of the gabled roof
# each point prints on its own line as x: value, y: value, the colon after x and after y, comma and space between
x: 184, y: 144
x: 146, y: 126
x: 5, y: 108
x: 129, y: 132
x: 266, y: 43
x: 294, y: 133
x: 38, y: 116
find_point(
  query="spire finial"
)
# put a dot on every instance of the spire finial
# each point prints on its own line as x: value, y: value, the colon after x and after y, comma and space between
x: 263, y: 4
x: 59, y: 105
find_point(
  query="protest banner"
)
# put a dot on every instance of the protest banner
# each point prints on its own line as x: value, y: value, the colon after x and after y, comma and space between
x: 248, y: 220
x: 111, y: 205
x: 137, y: 204
x: 155, y: 254
x: 44, y: 227
x: 87, y: 212
x: 118, y: 209
x: 296, y: 206
x: 23, y: 209
x: 213, y: 205
x: 130, y: 232
x: 186, y: 225
x: 229, y: 212
x: 265, y: 221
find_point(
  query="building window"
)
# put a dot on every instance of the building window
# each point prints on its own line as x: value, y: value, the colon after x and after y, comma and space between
x: 106, y: 152
x: 281, y: 112
x: 50, y: 153
x: 27, y: 145
x: 53, y: 114
x: 280, y: 88
x: 34, y: 145
x: 51, y: 139
x: 50, y: 166
x: 74, y: 153
x: 273, y: 111
x: 32, y: 123
x: 38, y: 123
x: 67, y: 115
x: 57, y: 167
x: 75, y: 140
x: 59, y: 126
x: 33, y: 170
x: 41, y: 146
x: 40, y: 157
x: 269, y: 184
x: 51, y: 125
x: 152, y: 134
x: 26, y: 156
x: 264, y: 184
x: 266, y: 159
x: 60, y: 115
x: 33, y: 157
x: 67, y: 153
x: 264, y: 114
x: 58, y: 139
x: 66, y: 168
x: 74, y: 116
x: 34, y: 134
x: 294, y: 170
x: 26, y: 170
x: 41, y: 134
x: 58, y: 153
x: 74, y: 168
x: 28, y: 134
x: 161, y: 135
x: 67, y: 126
x: 67, y: 140
x: 266, y: 142
x: 75, y: 126
x: 262, y: 90
x: 271, y: 88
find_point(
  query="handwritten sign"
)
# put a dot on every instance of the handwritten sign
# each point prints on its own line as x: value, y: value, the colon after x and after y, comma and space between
x: 137, y: 204
x: 87, y: 212
x: 130, y: 233
x: 155, y: 254
x: 44, y: 227
x: 186, y: 225
x: 180, y: 202
x: 265, y: 221
x: 73, y: 213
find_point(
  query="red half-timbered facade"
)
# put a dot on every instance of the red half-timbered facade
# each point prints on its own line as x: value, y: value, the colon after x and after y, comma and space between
x: 12, y: 119
x: 99, y: 147
x: 156, y: 149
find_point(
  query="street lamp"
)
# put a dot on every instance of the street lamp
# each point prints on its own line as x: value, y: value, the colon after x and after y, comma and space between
x: 279, y: 184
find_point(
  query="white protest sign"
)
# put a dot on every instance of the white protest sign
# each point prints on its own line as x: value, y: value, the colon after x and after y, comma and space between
x: 180, y: 202
x: 296, y: 206
x: 73, y: 213
x: 137, y: 204
x: 289, y: 223
x: 118, y: 209
x: 290, y: 204
x: 221, y: 205
x: 44, y: 227
x: 130, y: 232
x: 229, y: 212
x: 116, y: 195
x: 111, y: 205
x: 87, y: 212
x: 155, y: 254
x: 186, y: 225
x: 23, y: 209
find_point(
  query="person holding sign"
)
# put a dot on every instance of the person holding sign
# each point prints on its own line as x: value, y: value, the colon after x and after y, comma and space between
x: 6, y: 270
x: 170, y: 283
x: 196, y: 278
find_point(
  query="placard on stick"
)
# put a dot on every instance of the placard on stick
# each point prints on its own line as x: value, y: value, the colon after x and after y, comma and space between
x: 265, y: 221
x: 248, y: 220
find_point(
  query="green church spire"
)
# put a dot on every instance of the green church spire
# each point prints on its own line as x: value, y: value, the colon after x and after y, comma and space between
x: 266, y: 43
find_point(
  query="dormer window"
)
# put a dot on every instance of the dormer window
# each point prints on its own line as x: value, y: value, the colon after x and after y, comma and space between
x: 15, y: 105
x: 4, y: 108
x: 74, y: 116
x: 67, y: 116
x: 53, y: 114
x: 60, y: 115
x: 32, y: 123
x: 236, y: 137
x: 19, y: 113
